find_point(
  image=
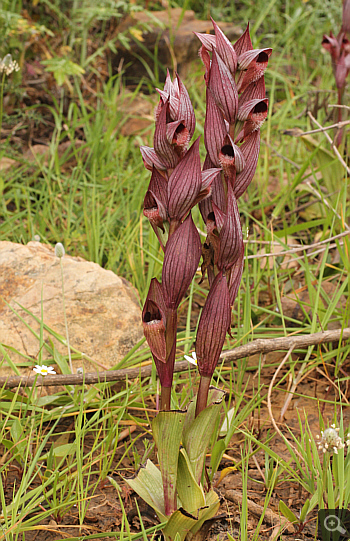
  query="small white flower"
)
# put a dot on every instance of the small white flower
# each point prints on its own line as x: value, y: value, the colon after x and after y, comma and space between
x: 44, y: 370
x: 80, y: 370
x: 59, y: 250
x: 8, y: 65
x: 193, y: 359
x: 330, y: 441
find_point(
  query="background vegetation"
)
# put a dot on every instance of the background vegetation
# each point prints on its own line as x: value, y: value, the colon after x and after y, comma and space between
x: 57, y: 450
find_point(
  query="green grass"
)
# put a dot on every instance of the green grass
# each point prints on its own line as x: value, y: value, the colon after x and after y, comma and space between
x: 94, y: 207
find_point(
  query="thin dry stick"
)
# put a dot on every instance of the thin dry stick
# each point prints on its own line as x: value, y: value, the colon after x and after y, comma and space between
x: 301, y: 248
x: 334, y: 148
x: 333, y: 384
x: 328, y: 205
x: 321, y: 129
x: 269, y: 407
x: 291, y: 391
x: 261, y: 345
x: 270, y: 517
x: 340, y: 106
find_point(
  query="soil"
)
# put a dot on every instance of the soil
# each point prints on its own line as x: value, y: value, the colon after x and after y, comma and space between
x: 104, y: 510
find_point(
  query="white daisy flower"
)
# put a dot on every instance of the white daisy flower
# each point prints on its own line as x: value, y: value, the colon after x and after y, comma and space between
x: 44, y: 370
x: 193, y: 359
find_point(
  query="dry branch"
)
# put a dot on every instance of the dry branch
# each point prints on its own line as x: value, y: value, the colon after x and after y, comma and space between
x: 270, y: 517
x: 261, y: 345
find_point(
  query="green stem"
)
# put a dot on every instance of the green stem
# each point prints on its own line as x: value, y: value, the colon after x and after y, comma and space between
x: 1, y: 99
x: 65, y: 320
x: 165, y: 399
x: 326, y: 462
x: 202, y: 396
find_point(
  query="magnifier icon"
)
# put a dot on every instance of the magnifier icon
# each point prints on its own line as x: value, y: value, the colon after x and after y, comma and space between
x: 332, y: 524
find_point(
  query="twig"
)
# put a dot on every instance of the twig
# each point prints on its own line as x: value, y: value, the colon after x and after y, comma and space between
x: 301, y: 248
x: 321, y: 129
x: 270, y: 517
x: 269, y: 407
x: 291, y: 391
x: 333, y: 384
x: 334, y: 148
x: 328, y: 205
x: 261, y: 345
x: 282, y: 156
x: 340, y: 106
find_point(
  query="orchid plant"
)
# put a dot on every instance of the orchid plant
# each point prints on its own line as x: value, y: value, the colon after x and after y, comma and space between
x: 339, y: 49
x: 236, y: 107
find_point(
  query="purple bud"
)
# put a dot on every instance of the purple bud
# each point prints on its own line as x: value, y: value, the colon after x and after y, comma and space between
x: 252, y: 65
x: 181, y: 258
x: 154, y: 210
x: 153, y: 319
x: 173, y: 104
x: 217, y: 193
x: 178, y: 136
x: 223, y: 88
x: 185, y: 108
x: 253, y: 114
x: 330, y: 43
x: 150, y: 159
x: 231, y: 238
x: 235, y: 277
x: 250, y: 150
x: 254, y: 91
x: 163, y: 148
x: 208, y: 40
x: 225, y: 49
x: 244, y: 43
x: 155, y: 203
x: 213, y: 326
x: 214, y: 129
x: 342, y: 70
x: 205, y: 58
x: 231, y: 159
x: 184, y: 184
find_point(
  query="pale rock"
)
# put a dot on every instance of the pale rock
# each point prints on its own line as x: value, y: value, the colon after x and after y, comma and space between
x: 6, y: 163
x: 103, y: 311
